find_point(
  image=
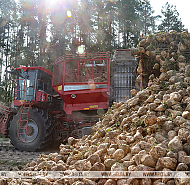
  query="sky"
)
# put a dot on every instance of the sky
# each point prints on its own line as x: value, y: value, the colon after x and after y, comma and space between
x: 182, y: 6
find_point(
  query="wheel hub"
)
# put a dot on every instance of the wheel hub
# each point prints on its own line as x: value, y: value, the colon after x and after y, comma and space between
x: 31, y: 134
x: 30, y: 130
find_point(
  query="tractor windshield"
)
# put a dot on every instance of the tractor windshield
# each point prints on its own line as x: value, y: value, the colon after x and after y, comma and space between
x: 25, y: 85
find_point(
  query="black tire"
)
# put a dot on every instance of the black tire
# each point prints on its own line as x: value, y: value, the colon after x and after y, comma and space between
x: 39, y: 134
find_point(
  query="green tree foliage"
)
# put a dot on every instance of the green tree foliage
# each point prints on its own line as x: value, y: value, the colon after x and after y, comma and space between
x: 171, y: 19
x: 32, y: 32
x: 147, y: 24
x: 103, y: 14
x: 7, y: 20
x: 128, y: 22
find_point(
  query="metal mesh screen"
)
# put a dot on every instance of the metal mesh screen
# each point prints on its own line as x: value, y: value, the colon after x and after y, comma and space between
x: 123, y: 76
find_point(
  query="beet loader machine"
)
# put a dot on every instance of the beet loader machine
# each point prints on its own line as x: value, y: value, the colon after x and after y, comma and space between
x: 50, y: 106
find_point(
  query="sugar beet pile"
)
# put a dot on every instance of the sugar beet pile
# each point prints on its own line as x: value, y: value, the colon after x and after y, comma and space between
x: 148, y: 132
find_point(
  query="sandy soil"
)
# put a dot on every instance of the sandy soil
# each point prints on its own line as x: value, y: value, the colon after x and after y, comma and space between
x: 14, y: 160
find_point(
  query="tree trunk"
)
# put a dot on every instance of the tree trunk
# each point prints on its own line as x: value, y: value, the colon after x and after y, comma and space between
x: 42, y: 39
x: 124, y: 36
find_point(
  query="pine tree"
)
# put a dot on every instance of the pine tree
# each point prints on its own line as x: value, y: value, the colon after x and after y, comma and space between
x: 170, y: 20
x: 128, y: 19
x: 7, y: 13
x: 148, y: 24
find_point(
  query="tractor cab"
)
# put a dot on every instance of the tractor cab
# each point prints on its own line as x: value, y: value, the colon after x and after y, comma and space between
x: 32, y: 84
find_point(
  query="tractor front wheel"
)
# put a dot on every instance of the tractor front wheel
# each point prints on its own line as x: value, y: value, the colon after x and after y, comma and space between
x: 38, y: 134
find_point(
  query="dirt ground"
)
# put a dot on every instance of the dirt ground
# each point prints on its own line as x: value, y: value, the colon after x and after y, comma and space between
x: 14, y: 160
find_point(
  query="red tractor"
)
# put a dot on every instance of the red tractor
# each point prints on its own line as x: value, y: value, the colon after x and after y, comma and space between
x: 53, y: 106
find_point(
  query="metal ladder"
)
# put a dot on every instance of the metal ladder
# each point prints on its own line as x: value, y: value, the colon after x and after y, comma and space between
x: 25, y: 109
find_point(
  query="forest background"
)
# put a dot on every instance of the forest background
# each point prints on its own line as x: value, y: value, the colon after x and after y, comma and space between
x: 35, y: 32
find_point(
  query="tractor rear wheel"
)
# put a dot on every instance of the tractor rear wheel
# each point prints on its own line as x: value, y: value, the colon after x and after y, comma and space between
x: 39, y: 131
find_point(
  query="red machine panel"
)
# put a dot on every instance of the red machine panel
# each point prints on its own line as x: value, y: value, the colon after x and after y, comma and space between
x: 83, y: 81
